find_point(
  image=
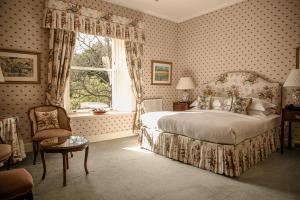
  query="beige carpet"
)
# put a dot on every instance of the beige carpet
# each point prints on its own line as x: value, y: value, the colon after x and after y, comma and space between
x: 120, y: 171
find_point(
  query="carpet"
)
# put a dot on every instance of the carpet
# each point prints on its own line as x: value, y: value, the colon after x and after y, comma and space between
x: 119, y: 170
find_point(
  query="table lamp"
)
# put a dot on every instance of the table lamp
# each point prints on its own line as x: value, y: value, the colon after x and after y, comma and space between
x: 185, y: 84
x: 293, y: 81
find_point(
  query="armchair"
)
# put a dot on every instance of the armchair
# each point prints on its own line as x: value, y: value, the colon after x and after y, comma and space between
x: 64, y: 129
x: 16, y: 184
x: 5, y: 153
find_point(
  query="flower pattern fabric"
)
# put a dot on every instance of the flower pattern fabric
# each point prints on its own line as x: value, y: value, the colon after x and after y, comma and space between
x: 134, y: 55
x: 204, y: 102
x: 66, y: 19
x: 70, y: 17
x: 229, y: 160
x: 245, y: 84
x: 62, y: 44
x: 46, y: 120
x: 221, y: 103
x: 10, y: 133
x: 240, y: 105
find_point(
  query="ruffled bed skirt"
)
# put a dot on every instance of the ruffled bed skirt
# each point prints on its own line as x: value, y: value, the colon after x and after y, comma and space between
x: 230, y: 160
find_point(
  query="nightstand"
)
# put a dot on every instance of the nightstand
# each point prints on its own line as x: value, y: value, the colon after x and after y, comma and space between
x: 290, y: 116
x: 180, y: 106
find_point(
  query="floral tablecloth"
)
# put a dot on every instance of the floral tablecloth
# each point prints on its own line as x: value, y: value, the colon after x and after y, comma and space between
x: 10, y: 134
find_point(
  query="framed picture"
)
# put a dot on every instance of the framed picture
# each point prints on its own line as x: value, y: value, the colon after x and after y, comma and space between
x: 297, y: 58
x: 161, y: 73
x: 19, y: 66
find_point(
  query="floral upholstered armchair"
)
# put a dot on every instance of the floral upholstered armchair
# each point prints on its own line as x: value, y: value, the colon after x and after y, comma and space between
x: 48, y: 122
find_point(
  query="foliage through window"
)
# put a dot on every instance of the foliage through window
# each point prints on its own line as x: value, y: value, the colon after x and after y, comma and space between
x: 91, y: 72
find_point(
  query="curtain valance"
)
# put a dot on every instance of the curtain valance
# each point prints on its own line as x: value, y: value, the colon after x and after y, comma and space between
x: 72, y: 17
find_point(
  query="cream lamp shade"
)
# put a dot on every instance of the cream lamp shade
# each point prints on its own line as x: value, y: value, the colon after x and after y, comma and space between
x: 293, y: 79
x: 1, y: 76
x: 185, y: 83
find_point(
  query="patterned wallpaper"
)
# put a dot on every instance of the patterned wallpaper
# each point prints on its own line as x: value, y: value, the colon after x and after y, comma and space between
x: 258, y: 35
x: 104, y: 124
x: 20, y: 29
x: 254, y: 35
x: 161, y: 44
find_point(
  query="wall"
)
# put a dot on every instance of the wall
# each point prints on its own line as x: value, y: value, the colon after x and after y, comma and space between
x: 20, y: 29
x: 254, y: 35
x: 161, y: 44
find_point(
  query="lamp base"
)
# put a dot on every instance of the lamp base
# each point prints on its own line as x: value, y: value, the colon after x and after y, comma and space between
x: 184, y: 96
x: 296, y: 96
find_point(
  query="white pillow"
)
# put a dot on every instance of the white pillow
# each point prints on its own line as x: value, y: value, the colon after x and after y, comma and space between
x: 260, y: 113
x: 221, y: 103
x: 194, y: 104
x: 261, y: 105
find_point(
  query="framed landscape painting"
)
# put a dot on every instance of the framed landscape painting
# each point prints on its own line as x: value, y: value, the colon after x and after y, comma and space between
x: 19, y: 66
x: 161, y: 73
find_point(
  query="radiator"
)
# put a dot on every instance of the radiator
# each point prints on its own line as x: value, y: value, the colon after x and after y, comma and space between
x: 152, y: 105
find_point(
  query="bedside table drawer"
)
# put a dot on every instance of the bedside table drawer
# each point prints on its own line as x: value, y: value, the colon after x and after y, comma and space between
x: 177, y: 106
x: 292, y: 115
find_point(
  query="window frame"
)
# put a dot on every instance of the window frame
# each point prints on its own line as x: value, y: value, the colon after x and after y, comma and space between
x: 67, y: 98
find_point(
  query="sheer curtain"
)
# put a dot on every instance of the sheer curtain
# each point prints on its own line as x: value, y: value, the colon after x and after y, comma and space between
x: 123, y: 98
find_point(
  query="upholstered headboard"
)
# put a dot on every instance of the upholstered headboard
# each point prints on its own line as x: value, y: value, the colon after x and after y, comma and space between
x: 245, y: 84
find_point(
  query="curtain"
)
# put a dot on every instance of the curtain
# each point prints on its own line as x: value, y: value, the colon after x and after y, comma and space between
x: 72, y: 17
x: 123, y: 98
x: 64, y: 20
x: 61, y: 47
x: 134, y: 54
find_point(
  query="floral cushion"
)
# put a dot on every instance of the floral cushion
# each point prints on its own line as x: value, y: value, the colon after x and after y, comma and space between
x: 204, y: 102
x: 46, y: 120
x: 240, y: 105
x: 221, y: 103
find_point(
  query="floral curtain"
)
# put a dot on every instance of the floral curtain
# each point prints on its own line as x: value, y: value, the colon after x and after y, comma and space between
x: 134, y: 54
x: 72, y: 17
x: 61, y: 47
x: 65, y: 19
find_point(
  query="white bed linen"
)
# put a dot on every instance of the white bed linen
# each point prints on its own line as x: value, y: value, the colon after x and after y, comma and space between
x: 210, y: 125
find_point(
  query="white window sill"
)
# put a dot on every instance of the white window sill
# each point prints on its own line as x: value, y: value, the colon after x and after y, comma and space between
x: 90, y: 114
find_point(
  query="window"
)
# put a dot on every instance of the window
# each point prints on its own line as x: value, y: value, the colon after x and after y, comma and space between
x: 98, y: 75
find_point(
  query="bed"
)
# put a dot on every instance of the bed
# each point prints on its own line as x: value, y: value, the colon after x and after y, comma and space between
x: 220, y: 141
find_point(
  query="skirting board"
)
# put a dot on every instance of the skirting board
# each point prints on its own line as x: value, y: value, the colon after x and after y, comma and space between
x: 95, y: 138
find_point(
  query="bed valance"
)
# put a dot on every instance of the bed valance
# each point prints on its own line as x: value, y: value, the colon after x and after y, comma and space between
x: 72, y: 17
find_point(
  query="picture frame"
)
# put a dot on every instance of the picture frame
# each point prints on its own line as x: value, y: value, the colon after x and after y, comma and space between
x: 20, y: 66
x: 161, y: 72
x: 297, y: 58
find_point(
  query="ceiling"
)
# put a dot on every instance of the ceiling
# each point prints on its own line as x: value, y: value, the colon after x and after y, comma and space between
x: 175, y: 10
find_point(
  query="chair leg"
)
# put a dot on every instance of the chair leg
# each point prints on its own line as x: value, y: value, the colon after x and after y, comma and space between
x: 35, y: 150
x: 8, y: 163
x: 28, y: 196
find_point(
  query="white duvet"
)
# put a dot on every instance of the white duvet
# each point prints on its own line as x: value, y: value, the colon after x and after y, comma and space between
x: 211, y: 126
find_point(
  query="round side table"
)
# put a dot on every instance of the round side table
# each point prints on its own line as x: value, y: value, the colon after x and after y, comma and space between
x: 64, y: 145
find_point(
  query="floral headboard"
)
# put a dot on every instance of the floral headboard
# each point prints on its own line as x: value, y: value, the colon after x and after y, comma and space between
x: 245, y: 84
